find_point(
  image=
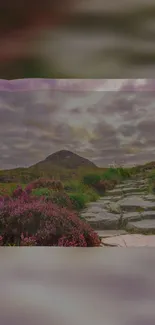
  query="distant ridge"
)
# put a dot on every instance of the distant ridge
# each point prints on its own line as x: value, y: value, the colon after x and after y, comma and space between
x: 65, y: 159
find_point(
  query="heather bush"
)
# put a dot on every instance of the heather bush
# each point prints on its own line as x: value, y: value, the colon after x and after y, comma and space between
x: 55, y: 185
x: 61, y: 199
x: 18, y: 191
x: 32, y: 221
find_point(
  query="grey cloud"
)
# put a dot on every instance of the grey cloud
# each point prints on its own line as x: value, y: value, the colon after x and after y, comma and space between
x: 8, y: 117
x: 104, y: 129
x: 127, y: 130
x: 150, y: 142
x: 146, y: 126
x: 76, y: 110
x: 105, y: 137
x: 139, y: 144
x: 34, y: 124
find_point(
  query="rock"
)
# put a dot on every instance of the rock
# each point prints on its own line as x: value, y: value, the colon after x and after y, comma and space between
x: 127, y: 206
x: 133, y: 202
x: 130, y: 240
x: 143, y: 226
x: 105, y: 198
x: 126, y: 190
x: 103, y: 220
x: 110, y: 198
x: 95, y: 204
x: 94, y: 210
x: 113, y: 207
x: 148, y: 214
x: 149, y: 197
x: 110, y: 233
x: 131, y: 216
x: 115, y: 192
x: 130, y: 185
x: 88, y: 215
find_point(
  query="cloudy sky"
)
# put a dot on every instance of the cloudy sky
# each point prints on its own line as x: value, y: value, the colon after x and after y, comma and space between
x: 103, y: 120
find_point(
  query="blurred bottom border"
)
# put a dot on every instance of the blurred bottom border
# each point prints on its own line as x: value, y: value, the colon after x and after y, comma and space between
x: 112, y: 286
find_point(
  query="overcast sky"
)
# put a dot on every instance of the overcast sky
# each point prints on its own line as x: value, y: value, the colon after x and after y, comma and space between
x: 102, y: 120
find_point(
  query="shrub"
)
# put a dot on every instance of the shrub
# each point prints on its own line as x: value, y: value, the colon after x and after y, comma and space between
x: 61, y: 199
x: 91, y: 194
x: 91, y: 179
x: 18, y: 191
x: 100, y: 187
x: 41, y: 192
x: 80, y: 189
x: 103, y: 182
x: 123, y: 173
x: 74, y: 186
x: 111, y: 174
x: 151, y: 181
x: 31, y: 221
x: 151, y: 186
x: 151, y: 176
x: 78, y: 200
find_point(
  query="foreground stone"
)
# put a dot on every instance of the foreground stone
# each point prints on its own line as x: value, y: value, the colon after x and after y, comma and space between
x: 142, y: 226
x: 133, y: 183
x: 110, y: 198
x: 131, y: 203
x: 126, y: 190
x: 137, y: 216
x: 149, y: 197
x: 130, y: 240
x: 110, y: 233
x: 102, y: 220
x: 127, y: 207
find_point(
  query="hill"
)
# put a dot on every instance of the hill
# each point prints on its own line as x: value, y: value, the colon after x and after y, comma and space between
x: 66, y: 159
x: 62, y: 164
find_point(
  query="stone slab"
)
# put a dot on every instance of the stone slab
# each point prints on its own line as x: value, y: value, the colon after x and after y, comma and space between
x: 130, y: 240
x: 142, y: 225
x: 132, y: 202
x: 126, y: 191
x: 149, y: 197
x: 110, y: 233
x: 103, y: 220
x: 131, y: 216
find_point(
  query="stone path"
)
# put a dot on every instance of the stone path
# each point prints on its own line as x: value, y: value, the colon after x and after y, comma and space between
x: 125, y: 216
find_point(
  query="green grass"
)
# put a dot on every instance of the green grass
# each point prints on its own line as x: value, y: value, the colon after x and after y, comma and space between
x: 151, y: 181
x: 9, y: 187
x: 80, y: 194
x: 116, y: 174
x: 41, y: 192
